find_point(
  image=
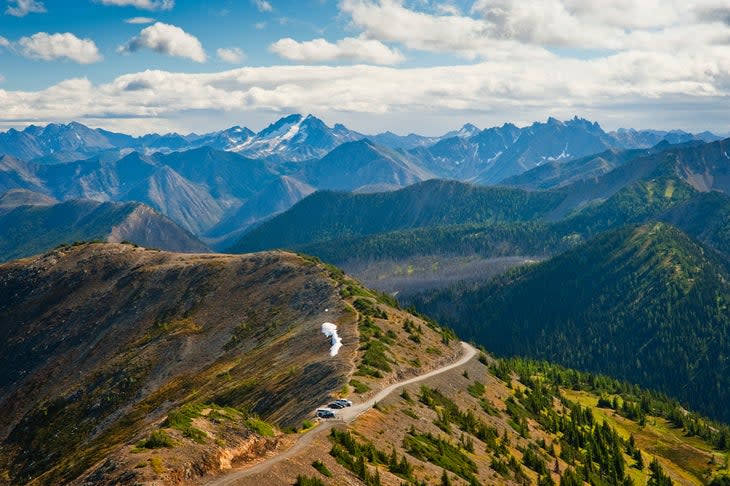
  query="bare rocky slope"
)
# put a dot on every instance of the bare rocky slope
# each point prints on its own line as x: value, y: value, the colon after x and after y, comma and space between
x: 121, y: 365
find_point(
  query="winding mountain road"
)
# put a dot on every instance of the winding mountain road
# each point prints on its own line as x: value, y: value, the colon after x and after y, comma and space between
x: 345, y: 415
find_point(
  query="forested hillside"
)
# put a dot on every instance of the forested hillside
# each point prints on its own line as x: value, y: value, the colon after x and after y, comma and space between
x: 647, y: 304
x: 589, y: 196
x: 331, y: 215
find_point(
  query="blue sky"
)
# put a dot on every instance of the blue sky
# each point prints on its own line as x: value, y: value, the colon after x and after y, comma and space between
x: 403, y: 65
x: 218, y: 24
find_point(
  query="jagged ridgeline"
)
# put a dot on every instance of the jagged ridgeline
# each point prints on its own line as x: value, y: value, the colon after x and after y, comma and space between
x: 647, y: 304
x: 119, y: 363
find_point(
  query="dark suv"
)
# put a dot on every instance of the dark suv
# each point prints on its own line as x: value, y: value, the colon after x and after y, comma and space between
x: 325, y: 413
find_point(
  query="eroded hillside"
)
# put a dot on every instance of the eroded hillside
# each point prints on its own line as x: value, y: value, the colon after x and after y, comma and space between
x: 120, y: 365
x: 512, y: 422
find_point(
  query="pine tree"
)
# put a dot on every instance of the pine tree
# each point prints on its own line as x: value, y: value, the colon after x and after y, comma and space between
x: 657, y: 477
x: 639, y: 460
x: 545, y: 480
x: 631, y: 446
x: 445, y: 481
x: 404, y: 467
x: 376, y: 478
x: 393, y: 460
x: 570, y: 478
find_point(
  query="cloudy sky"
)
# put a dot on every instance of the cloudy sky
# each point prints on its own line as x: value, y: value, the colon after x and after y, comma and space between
x: 403, y: 65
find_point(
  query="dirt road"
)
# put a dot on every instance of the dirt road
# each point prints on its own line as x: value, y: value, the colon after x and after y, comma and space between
x: 345, y: 415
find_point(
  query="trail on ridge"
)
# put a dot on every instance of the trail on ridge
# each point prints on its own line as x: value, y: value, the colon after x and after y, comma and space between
x: 345, y: 415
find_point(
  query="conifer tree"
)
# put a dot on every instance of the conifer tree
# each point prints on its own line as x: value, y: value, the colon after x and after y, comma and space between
x: 445, y: 481
x: 657, y: 476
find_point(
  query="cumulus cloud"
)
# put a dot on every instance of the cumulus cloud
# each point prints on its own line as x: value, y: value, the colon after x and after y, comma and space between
x: 166, y: 39
x: 58, y: 46
x: 649, y: 62
x: 21, y: 8
x: 139, y: 20
x: 141, y: 4
x: 233, y: 55
x: 459, y: 34
x: 448, y: 9
x: 671, y: 89
x: 348, y: 49
x: 263, y: 5
x: 4, y: 42
x: 496, y: 29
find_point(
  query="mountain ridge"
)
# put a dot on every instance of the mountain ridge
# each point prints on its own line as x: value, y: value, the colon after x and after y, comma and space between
x: 38, y: 225
x: 77, y: 140
x: 97, y: 366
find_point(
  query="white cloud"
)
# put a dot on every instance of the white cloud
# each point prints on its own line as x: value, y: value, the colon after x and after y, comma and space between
x: 462, y: 35
x: 141, y: 4
x: 57, y: 46
x: 673, y: 90
x: 22, y: 8
x: 527, y: 28
x: 260, y: 25
x: 349, y: 49
x: 233, y: 55
x: 263, y: 5
x: 660, y: 63
x: 4, y: 42
x: 166, y: 39
x: 139, y: 20
x: 448, y: 9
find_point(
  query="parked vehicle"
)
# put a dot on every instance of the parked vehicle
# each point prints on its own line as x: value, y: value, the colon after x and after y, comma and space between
x: 342, y: 401
x: 325, y: 413
x: 336, y: 405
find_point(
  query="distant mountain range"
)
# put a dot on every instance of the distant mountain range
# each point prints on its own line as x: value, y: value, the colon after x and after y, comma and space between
x: 298, y: 138
x: 333, y: 216
x: 220, y: 185
x: 585, y: 197
x: 33, y: 223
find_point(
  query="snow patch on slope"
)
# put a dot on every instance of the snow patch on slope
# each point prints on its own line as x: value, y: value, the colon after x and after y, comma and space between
x: 330, y: 330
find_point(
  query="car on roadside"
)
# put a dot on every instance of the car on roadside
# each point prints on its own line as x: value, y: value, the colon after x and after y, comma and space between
x: 336, y: 405
x: 325, y: 413
x: 343, y: 402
